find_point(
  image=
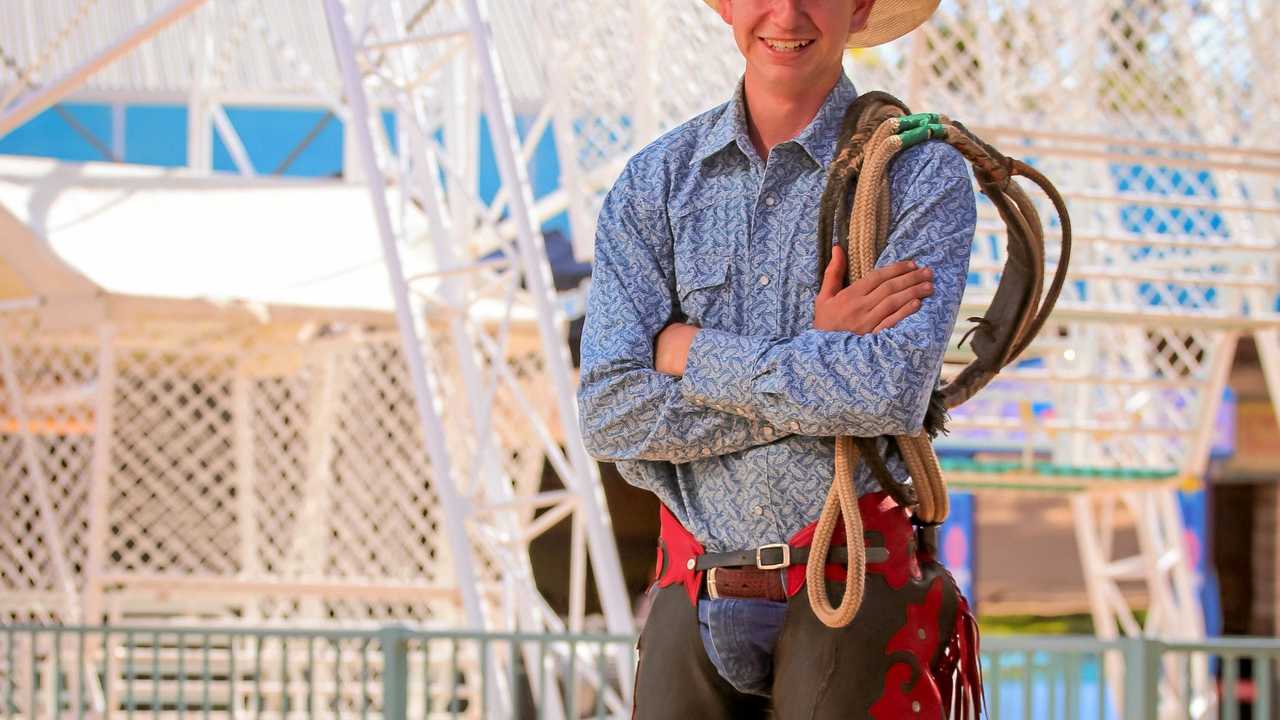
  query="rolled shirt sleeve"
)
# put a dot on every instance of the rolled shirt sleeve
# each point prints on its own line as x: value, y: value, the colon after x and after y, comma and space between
x: 840, y: 383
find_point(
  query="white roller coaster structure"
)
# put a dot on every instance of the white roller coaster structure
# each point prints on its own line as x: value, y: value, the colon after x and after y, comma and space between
x: 328, y: 471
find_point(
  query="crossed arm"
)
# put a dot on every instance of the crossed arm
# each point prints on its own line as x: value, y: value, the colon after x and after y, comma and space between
x: 739, y: 391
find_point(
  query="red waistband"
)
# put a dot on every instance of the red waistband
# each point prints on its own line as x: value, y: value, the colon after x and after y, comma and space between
x: 677, y: 547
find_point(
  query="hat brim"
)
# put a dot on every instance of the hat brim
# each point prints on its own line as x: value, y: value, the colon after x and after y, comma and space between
x: 889, y: 20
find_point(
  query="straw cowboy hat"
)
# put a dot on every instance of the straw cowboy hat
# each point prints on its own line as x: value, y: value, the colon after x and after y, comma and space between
x: 890, y: 20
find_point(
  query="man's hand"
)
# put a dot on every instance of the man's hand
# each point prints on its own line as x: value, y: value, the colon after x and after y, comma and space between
x: 671, y: 348
x: 878, y: 300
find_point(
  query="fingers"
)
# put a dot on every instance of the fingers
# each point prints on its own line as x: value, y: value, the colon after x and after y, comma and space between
x: 900, y: 304
x: 915, y: 278
x: 869, y: 282
x: 877, y: 286
x: 888, y: 272
x: 833, y: 278
x: 896, y: 317
x: 879, y: 300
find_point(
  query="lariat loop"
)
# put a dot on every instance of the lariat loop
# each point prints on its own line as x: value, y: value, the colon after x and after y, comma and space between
x: 855, y: 213
x: 841, y: 505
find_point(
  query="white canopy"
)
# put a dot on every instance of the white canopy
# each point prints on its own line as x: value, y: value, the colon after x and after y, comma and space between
x: 72, y: 232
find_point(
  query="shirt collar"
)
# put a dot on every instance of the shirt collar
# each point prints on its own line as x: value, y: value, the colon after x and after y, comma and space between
x: 729, y: 127
x: 818, y: 138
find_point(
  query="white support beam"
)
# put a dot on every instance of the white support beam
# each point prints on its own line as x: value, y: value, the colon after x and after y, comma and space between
x: 246, y: 511
x: 118, y: 131
x: 1091, y: 544
x: 1268, y: 343
x: 424, y: 391
x: 447, y: 34
x: 38, y: 481
x: 1224, y: 351
x: 100, y: 473
x: 537, y: 277
x: 231, y: 138
x: 45, y: 97
x: 306, y: 555
x: 199, y: 125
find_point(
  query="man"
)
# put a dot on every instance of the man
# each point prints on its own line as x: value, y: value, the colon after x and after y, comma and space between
x: 715, y: 372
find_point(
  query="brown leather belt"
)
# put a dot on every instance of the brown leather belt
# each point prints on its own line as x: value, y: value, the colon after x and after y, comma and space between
x: 778, y: 556
x: 728, y: 575
x: 747, y: 583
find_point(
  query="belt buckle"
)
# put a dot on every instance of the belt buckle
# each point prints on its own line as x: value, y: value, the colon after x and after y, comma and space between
x: 711, y: 584
x: 786, y: 556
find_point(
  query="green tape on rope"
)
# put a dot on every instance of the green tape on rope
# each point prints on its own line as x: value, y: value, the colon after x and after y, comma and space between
x: 915, y: 136
x: 911, y: 122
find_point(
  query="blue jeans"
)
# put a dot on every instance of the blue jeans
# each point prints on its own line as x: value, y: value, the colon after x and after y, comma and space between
x: 739, y: 636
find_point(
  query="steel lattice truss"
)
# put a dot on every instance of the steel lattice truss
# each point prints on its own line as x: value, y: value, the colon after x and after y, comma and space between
x: 316, y: 450
x: 145, y: 464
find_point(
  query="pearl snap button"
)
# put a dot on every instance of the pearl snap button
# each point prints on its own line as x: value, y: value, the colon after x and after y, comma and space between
x: 770, y: 200
x: 764, y: 279
x: 920, y: 633
x: 759, y: 509
x: 915, y: 706
x: 691, y: 564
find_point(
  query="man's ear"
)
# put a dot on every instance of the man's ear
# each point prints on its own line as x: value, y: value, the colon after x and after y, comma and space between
x: 861, y: 11
x: 725, y: 9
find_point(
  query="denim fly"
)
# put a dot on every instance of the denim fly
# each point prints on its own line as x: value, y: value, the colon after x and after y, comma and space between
x: 739, y: 636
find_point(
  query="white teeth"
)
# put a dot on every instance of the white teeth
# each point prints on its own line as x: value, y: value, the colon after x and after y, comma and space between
x: 787, y: 45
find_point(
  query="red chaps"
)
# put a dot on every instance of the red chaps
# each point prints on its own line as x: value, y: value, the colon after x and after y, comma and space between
x: 911, y: 651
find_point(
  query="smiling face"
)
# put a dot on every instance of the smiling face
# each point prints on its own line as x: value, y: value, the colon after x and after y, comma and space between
x: 793, y: 43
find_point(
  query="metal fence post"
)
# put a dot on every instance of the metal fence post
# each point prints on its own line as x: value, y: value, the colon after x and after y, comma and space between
x: 1141, y: 678
x: 395, y: 671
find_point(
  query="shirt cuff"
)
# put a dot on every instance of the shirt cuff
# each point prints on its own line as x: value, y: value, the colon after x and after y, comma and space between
x: 720, y: 369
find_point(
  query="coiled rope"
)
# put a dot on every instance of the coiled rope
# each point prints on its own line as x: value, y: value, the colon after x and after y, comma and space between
x: 877, y: 127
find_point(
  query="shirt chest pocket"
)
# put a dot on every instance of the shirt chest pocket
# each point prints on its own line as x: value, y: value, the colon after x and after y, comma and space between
x: 705, y: 241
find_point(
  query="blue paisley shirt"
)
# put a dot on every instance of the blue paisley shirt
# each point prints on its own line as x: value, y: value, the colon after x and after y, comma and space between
x: 699, y: 228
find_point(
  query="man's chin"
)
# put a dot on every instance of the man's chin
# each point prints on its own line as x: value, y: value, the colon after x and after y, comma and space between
x: 786, y: 74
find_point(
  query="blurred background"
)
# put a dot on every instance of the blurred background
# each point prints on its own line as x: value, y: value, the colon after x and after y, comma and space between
x: 290, y: 295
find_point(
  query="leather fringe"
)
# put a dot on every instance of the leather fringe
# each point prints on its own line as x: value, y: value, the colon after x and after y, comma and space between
x: 960, y: 675
x: 936, y: 415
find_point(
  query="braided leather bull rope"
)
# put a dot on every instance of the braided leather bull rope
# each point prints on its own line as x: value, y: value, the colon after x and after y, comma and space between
x: 876, y: 127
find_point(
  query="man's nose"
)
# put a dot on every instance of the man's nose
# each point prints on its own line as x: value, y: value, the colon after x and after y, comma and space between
x: 786, y: 13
